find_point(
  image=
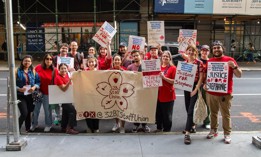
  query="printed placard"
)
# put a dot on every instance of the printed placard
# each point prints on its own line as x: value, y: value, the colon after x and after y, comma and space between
x: 67, y: 60
x: 156, y: 33
x: 104, y: 34
x: 185, y: 76
x: 57, y: 96
x: 217, y: 77
x: 136, y: 43
x: 150, y: 65
x: 186, y: 37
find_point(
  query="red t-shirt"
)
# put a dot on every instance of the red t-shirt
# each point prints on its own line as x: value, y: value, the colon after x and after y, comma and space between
x: 45, y: 77
x: 230, y: 74
x: 104, y: 62
x: 61, y: 80
x: 167, y: 91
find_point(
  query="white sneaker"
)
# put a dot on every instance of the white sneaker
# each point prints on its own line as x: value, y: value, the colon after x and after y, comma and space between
x: 32, y: 128
x: 47, y: 128
x: 207, y: 126
x: 227, y: 139
x: 122, y: 130
x: 115, y: 127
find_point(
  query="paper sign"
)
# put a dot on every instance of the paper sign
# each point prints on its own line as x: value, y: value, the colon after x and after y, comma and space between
x: 217, y: 77
x: 150, y: 81
x: 185, y: 76
x: 67, y: 60
x: 136, y: 43
x: 104, y: 34
x: 57, y: 96
x: 186, y: 37
x: 156, y: 33
x: 27, y: 87
x: 150, y: 65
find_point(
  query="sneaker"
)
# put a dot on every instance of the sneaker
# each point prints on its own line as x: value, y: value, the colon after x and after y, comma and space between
x: 96, y: 131
x: 47, y: 128
x: 227, y: 139
x: 115, y: 127
x: 122, y: 130
x: 212, y: 134
x: 32, y: 128
x: 146, y: 128
x: 72, y: 131
x: 207, y: 126
x: 187, y: 139
x: 135, y: 129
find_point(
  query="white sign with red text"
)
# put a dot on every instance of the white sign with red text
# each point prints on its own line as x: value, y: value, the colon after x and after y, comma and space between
x: 156, y: 33
x: 186, y: 37
x: 104, y: 34
x: 185, y: 76
x: 136, y: 43
x: 217, y: 77
x: 151, y: 71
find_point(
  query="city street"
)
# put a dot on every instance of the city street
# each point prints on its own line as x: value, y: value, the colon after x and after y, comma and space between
x: 244, y: 112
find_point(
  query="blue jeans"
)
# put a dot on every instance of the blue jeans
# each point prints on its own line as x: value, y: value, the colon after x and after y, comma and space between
x: 47, y: 112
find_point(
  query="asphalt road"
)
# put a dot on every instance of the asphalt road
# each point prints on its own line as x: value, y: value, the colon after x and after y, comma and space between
x: 245, y: 111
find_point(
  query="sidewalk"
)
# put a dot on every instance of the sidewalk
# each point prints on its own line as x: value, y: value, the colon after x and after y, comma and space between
x: 135, y: 145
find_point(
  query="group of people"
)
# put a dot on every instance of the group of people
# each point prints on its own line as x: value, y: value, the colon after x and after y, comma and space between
x: 47, y: 74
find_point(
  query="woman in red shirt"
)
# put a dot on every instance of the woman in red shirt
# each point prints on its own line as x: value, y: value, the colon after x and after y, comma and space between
x: 46, y: 72
x: 104, y: 57
x: 166, y: 94
x: 63, y: 81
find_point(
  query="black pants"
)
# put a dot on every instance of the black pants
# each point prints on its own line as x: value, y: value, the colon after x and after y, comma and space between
x: 68, y: 116
x: 164, y: 113
x: 189, y: 104
x: 26, y: 108
x: 93, y: 124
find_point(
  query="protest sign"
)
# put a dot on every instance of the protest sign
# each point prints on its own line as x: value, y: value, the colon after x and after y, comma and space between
x: 57, y: 96
x: 104, y: 34
x: 151, y: 70
x: 67, y: 60
x: 217, y: 77
x: 185, y: 76
x: 136, y: 43
x: 117, y: 94
x: 186, y: 37
x: 156, y: 33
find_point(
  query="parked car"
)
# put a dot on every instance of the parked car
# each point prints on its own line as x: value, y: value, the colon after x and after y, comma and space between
x: 173, y: 48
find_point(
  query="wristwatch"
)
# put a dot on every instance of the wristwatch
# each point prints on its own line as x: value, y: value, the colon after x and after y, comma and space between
x: 235, y: 67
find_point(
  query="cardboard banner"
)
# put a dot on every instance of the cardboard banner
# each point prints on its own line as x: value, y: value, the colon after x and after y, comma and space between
x: 151, y: 70
x: 156, y: 33
x: 229, y: 6
x: 186, y: 37
x: 217, y: 77
x: 57, y: 96
x: 67, y: 60
x: 185, y: 76
x: 104, y: 34
x: 117, y: 94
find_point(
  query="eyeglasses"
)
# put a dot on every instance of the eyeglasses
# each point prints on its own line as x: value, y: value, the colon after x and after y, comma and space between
x: 50, y: 59
x: 135, y: 61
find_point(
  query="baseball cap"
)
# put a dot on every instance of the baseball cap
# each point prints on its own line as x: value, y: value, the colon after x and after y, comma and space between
x: 153, y: 47
x: 204, y: 47
x: 123, y: 44
x: 217, y: 43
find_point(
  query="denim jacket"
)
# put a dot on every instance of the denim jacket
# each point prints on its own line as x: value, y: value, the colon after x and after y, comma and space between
x: 21, y: 81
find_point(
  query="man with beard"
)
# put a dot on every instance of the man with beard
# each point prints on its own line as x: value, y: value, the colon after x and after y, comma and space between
x: 63, y: 53
x: 124, y: 54
x: 78, y: 57
x: 222, y: 101
x: 136, y: 66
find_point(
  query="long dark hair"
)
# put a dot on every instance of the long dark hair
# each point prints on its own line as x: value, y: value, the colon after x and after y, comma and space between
x: 43, y: 61
x: 31, y: 66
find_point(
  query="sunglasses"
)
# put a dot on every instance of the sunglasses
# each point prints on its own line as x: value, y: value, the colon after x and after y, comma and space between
x: 50, y: 59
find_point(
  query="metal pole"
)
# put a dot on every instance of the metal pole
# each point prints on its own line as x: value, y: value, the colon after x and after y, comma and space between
x: 16, y: 145
x: 94, y: 20
x: 19, y: 36
x: 56, y: 23
x: 115, y: 26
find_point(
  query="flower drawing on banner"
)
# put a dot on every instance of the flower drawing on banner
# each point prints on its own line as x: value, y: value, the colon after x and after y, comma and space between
x: 115, y: 92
